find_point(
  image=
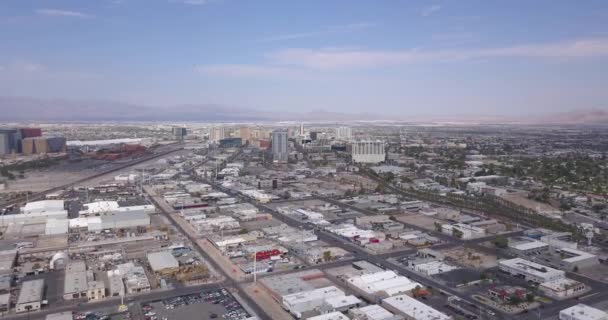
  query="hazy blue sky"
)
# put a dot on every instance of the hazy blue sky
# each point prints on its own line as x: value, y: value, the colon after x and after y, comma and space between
x: 393, y: 56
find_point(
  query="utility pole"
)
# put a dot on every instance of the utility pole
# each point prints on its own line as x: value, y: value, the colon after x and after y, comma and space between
x: 255, y: 273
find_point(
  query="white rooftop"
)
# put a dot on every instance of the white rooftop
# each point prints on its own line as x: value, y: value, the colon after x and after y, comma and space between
x: 532, y: 268
x: 375, y: 312
x: 413, y: 308
x: 330, y: 316
x: 162, y: 260
x: 582, y: 311
x: 42, y: 206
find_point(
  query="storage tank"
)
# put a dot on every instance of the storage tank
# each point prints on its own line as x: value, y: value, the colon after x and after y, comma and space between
x: 31, y: 132
x: 56, y: 144
x: 41, y: 145
x: 27, y: 145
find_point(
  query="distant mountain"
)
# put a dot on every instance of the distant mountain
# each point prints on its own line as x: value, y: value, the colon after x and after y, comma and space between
x: 33, y: 109
x: 591, y: 116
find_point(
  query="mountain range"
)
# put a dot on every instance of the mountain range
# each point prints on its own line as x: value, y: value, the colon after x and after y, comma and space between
x: 64, y: 110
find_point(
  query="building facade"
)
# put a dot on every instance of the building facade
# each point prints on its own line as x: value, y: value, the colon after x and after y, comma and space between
x: 344, y: 133
x: 280, y: 152
x: 368, y: 151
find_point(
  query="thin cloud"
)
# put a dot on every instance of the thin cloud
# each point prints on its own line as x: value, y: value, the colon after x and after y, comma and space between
x: 241, y: 70
x: 430, y: 10
x: 194, y: 2
x: 324, y: 31
x: 63, y: 13
x: 353, y: 58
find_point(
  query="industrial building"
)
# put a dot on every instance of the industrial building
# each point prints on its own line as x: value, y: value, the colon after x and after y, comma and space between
x: 330, y: 316
x: 162, y: 261
x: 464, y: 230
x: 412, y: 309
x: 371, y: 312
x: 530, y: 271
x: 574, y: 258
x: 381, y: 284
x: 36, y: 212
x: 280, y: 151
x: 524, y: 246
x: 7, y: 261
x: 298, y: 303
x: 75, y: 283
x: 30, y: 296
x: 582, y: 312
x: 368, y: 151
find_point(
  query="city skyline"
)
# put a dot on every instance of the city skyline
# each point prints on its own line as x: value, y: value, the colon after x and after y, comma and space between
x: 395, y: 59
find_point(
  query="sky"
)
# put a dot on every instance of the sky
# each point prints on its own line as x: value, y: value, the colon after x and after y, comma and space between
x: 391, y: 57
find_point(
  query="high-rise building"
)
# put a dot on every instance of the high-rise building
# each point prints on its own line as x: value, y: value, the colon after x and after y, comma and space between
x: 368, y: 151
x: 245, y: 134
x: 302, y: 128
x: 217, y: 133
x: 10, y: 141
x: 179, y: 133
x: 280, y: 152
x: 344, y: 133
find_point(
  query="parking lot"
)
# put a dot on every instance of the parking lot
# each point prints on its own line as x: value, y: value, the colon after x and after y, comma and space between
x: 214, y: 304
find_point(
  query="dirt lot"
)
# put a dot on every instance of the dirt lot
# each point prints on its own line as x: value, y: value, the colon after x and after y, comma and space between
x: 522, y: 199
x: 471, y: 258
x: 419, y: 220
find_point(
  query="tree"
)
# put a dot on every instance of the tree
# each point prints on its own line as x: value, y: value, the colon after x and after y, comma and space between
x: 438, y: 227
x: 501, y: 242
x: 529, y: 297
x: 457, y: 233
x: 243, y: 231
x: 327, y: 256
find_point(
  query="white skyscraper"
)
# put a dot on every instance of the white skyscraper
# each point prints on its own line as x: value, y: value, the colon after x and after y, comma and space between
x: 280, y: 152
x: 368, y: 151
x: 302, y: 128
x: 344, y: 133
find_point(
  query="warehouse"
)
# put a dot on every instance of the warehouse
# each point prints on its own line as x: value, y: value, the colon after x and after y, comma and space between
x: 75, y: 283
x: 530, y: 271
x: 36, y: 212
x: 582, y: 312
x: 7, y: 261
x: 385, y: 283
x: 118, y: 221
x: 524, y: 246
x: 577, y: 259
x: 330, y: 316
x: 297, y: 303
x: 412, y: 309
x: 56, y: 226
x: 371, y: 312
x: 30, y: 296
x: 161, y: 261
